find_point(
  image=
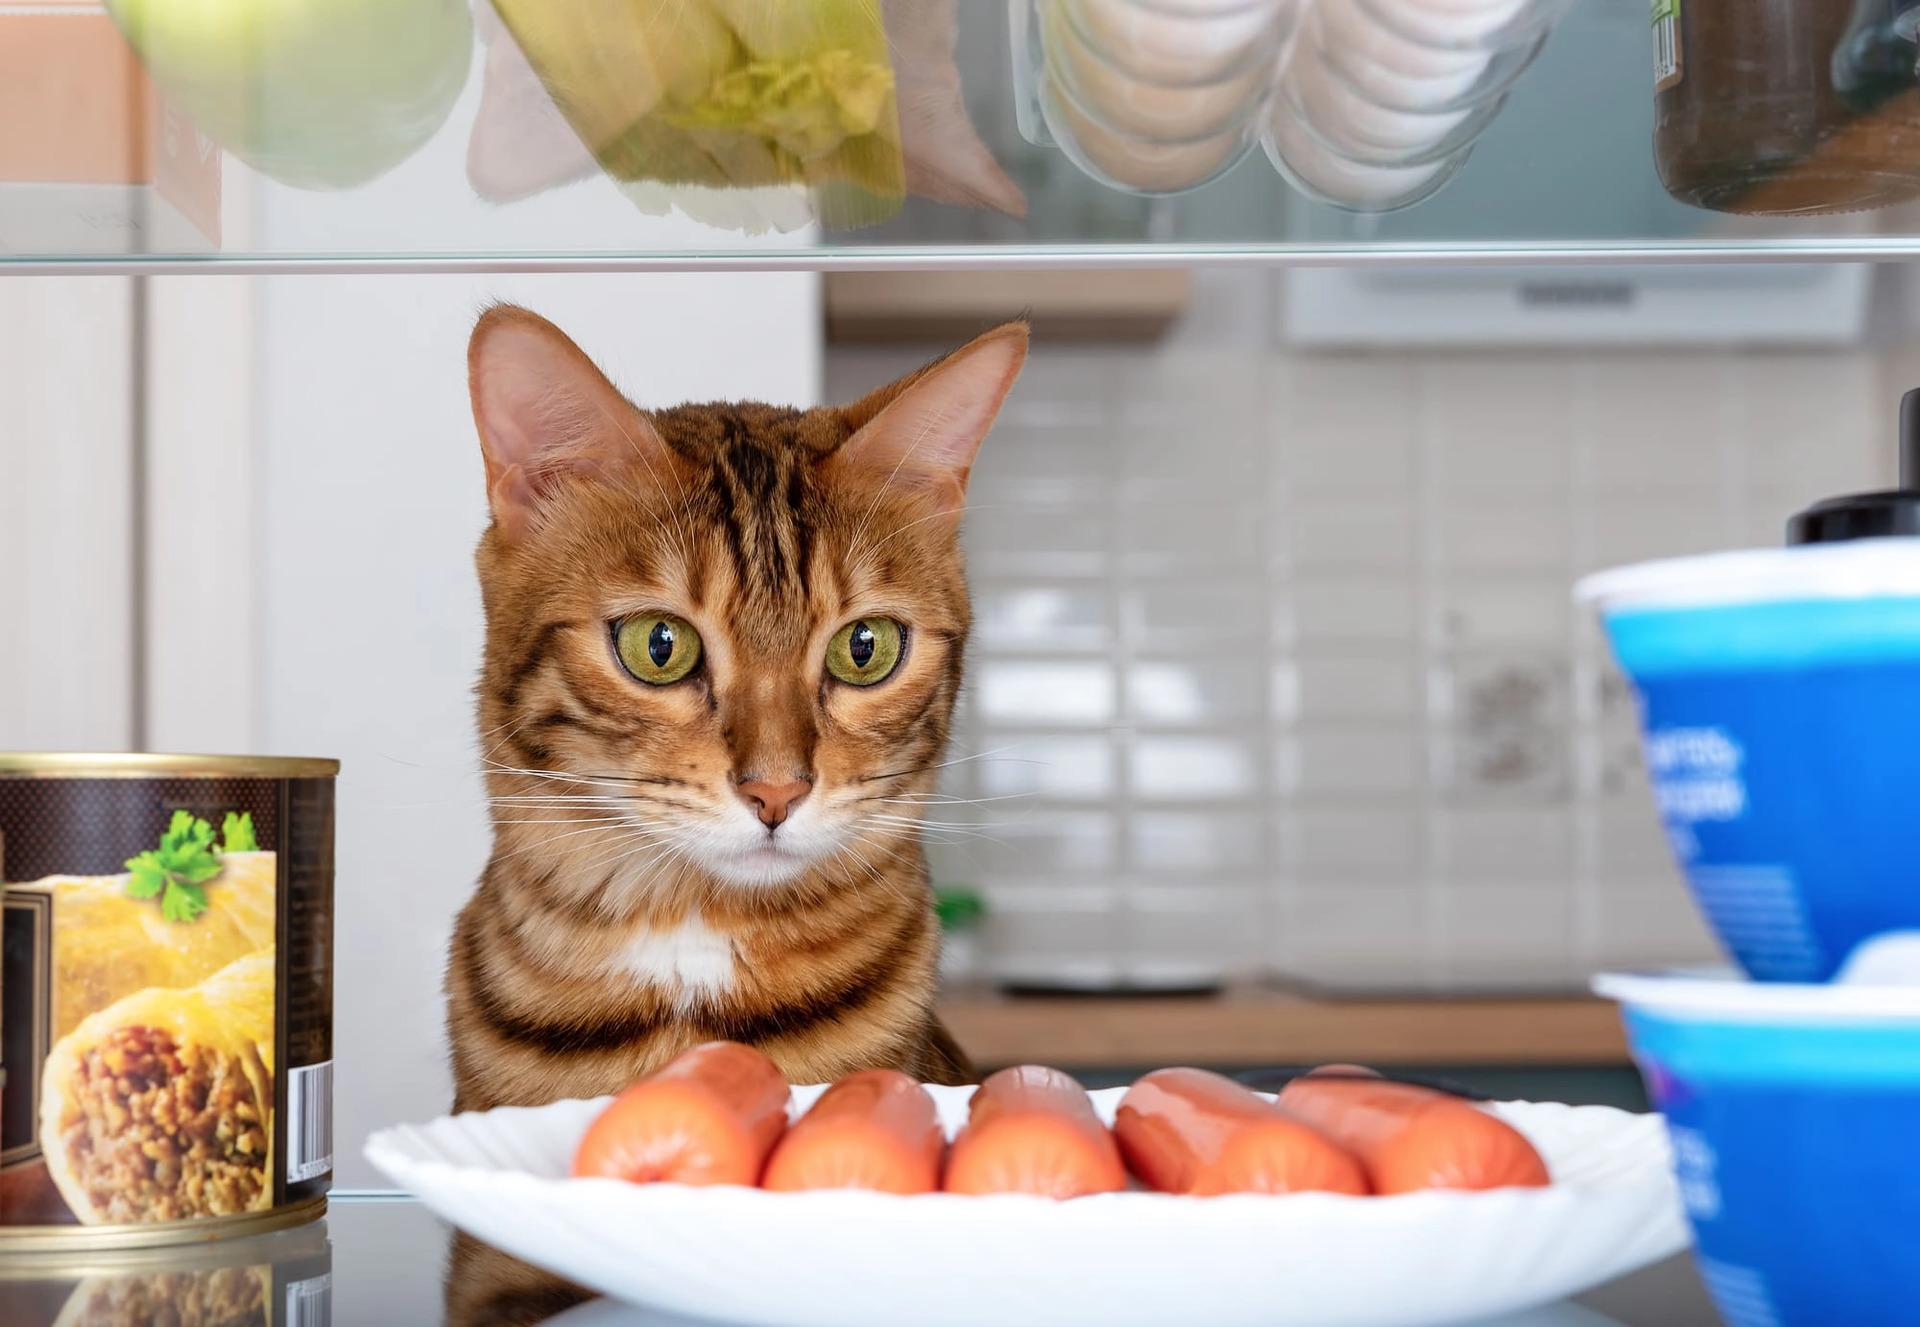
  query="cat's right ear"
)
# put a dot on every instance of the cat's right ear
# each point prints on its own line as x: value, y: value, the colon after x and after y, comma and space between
x: 544, y: 413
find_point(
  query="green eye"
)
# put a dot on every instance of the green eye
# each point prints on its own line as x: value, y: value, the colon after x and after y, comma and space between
x: 866, y: 651
x: 655, y: 648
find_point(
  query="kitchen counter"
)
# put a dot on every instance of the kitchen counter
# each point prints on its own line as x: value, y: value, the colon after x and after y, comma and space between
x: 1259, y: 1026
x: 387, y: 1253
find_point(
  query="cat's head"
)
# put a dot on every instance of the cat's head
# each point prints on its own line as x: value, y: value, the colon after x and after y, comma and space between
x: 723, y: 641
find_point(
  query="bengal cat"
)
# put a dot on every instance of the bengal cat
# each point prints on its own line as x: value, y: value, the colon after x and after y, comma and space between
x: 722, y: 648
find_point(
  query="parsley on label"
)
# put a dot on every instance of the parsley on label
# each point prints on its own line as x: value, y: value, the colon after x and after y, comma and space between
x: 176, y: 870
x: 236, y: 834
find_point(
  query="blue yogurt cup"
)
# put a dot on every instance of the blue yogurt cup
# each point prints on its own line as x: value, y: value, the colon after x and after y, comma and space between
x: 1795, y: 1118
x: 1779, y: 695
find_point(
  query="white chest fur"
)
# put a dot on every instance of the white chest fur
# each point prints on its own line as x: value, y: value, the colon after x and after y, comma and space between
x: 689, y: 961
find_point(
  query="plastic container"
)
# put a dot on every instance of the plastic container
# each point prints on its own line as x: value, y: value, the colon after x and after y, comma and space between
x: 1134, y: 164
x: 1791, y: 1110
x: 1145, y: 109
x: 1393, y: 70
x: 1778, y: 702
x: 1486, y: 25
x: 1316, y: 168
x: 1325, y: 99
x: 1161, y: 43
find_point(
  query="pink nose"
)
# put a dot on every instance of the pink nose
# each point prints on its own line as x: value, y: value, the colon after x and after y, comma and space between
x: 772, y: 802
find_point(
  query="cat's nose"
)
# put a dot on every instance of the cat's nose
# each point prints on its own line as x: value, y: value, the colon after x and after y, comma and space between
x: 772, y: 802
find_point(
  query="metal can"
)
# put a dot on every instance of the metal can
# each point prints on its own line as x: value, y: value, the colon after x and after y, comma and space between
x: 166, y: 997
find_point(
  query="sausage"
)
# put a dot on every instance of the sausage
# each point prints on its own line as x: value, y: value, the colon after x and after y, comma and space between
x: 1410, y: 1137
x: 709, y: 1116
x: 1193, y: 1132
x: 875, y: 1129
x: 1033, y: 1130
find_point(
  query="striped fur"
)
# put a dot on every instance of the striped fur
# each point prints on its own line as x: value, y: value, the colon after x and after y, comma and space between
x: 633, y: 905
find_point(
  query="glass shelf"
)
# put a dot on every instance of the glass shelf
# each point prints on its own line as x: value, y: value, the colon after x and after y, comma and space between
x: 1564, y: 172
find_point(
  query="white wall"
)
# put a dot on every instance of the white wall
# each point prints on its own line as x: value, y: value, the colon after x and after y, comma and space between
x: 66, y: 553
x: 368, y: 506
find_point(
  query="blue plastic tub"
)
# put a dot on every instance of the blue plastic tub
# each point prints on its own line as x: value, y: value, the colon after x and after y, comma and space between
x: 1795, y: 1117
x: 1780, y: 705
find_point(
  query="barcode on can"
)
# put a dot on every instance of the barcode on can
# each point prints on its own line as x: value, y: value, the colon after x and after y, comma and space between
x: 1666, y: 44
x: 309, y: 1121
x: 310, y: 1302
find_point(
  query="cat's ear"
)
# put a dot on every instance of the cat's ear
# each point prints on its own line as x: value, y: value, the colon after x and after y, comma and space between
x: 545, y: 412
x: 921, y: 433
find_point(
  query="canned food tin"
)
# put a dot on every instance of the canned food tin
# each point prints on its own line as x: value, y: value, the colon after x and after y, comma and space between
x: 166, y: 997
x: 272, y: 1280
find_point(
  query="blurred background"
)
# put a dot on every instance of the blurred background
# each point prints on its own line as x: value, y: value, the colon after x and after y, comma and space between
x: 1284, y: 738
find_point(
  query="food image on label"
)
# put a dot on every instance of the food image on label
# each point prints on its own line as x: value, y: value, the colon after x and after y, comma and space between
x: 159, y: 1107
x: 155, y: 1098
x: 150, y: 1013
x: 112, y: 944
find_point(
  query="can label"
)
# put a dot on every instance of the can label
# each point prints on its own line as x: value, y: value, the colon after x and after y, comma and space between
x: 1666, y: 44
x: 166, y: 1018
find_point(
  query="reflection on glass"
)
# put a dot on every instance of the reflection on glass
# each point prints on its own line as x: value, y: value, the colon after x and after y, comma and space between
x: 226, y: 1297
x: 487, y: 1288
x: 739, y: 113
x: 275, y: 1280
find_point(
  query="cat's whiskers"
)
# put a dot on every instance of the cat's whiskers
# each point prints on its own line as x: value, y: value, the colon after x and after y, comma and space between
x: 548, y: 842
x: 916, y: 822
x: 940, y: 833
x: 642, y: 865
x: 572, y: 776
x: 942, y: 799
x: 560, y: 803
x: 873, y: 872
x: 948, y: 764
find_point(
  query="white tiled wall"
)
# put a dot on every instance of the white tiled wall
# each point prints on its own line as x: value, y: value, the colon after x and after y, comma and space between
x: 1276, y: 670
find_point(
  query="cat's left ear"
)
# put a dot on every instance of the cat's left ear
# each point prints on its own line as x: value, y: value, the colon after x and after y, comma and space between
x: 922, y: 433
x: 545, y: 413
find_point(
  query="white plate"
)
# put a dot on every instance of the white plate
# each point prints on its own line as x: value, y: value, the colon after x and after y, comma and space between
x: 847, y: 1259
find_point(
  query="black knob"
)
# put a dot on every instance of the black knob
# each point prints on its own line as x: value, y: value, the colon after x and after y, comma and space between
x: 1910, y: 439
x: 1891, y: 512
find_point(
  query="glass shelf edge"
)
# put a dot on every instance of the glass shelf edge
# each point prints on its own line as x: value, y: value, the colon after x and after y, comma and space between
x: 905, y: 258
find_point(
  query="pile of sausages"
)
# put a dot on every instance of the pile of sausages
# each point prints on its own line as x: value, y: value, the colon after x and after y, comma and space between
x: 718, y: 1115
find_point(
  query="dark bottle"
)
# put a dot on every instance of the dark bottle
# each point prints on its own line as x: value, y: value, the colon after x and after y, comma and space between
x: 1786, y: 107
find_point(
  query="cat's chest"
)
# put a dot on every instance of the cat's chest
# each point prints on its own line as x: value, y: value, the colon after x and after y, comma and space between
x: 687, y: 961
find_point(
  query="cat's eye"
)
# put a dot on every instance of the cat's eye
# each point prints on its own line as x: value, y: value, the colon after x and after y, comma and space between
x: 866, y: 651
x: 655, y: 648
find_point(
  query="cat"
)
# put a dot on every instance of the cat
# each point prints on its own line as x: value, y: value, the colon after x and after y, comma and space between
x: 723, y: 644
